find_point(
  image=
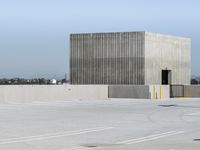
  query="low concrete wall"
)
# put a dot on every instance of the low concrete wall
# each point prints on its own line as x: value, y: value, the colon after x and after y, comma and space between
x: 128, y: 91
x: 139, y: 91
x: 192, y: 91
x: 28, y: 93
x: 176, y: 91
x: 159, y: 91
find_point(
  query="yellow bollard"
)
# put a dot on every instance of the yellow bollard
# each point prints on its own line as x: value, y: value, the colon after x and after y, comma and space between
x: 155, y: 92
x: 161, y: 93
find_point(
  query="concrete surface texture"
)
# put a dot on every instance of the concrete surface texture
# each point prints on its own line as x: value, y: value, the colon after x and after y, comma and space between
x: 107, y: 58
x: 177, y: 91
x: 159, y: 91
x: 129, y: 91
x: 165, y: 52
x: 101, y: 125
x: 29, y: 93
x: 191, y: 91
x: 129, y: 58
x: 139, y: 91
x: 185, y: 91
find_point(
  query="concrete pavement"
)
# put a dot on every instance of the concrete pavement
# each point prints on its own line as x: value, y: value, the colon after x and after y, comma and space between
x: 116, y: 124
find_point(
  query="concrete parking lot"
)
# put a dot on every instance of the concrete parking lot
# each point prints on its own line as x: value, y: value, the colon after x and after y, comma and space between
x: 117, y: 124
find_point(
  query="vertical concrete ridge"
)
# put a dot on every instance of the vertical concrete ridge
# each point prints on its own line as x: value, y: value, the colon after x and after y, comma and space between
x: 107, y: 58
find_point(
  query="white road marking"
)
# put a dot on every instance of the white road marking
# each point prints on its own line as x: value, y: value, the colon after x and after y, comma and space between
x: 193, y: 114
x: 51, y: 135
x: 78, y: 148
x: 151, y: 137
x: 138, y: 140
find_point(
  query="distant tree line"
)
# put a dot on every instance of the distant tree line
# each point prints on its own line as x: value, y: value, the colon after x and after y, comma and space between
x: 195, y: 80
x: 22, y: 81
x: 43, y: 81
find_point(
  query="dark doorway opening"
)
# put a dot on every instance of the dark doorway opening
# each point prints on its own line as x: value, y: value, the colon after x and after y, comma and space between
x: 166, y: 77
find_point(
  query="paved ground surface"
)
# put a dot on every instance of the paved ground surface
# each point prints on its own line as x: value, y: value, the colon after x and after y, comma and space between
x: 101, y: 125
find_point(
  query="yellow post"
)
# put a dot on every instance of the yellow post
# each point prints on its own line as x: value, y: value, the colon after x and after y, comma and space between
x: 155, y: 92
x: 161, y: 93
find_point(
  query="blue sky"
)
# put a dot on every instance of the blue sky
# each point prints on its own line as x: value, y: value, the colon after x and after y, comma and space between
x: 34, y: 33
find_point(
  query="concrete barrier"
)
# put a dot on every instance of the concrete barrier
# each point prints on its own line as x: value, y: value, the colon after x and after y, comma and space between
x: 29, y: 93
x: 192, y: 91
x: 176, y: 91
x: 128, y: 91
x: 139, y: 91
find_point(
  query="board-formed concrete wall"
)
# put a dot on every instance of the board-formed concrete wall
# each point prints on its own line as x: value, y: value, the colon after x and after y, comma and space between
x: 107, y: 58
x: 133, y: 58
x: 29, y: 93
x: 165, y: 52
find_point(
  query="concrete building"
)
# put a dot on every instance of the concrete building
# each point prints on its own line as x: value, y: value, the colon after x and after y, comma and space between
x: 134, y: 58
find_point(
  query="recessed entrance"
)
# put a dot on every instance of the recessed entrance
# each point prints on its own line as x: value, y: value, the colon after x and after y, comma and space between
x: 166, y: 77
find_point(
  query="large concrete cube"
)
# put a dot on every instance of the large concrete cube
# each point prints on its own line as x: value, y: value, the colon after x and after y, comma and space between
x: 129, y: 58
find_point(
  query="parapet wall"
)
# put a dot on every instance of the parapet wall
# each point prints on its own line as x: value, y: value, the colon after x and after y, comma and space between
x: 188, y: 91
x: 139, y: 91
x: 192, y: 91
x: 29, y: 93
x: 128, y: 91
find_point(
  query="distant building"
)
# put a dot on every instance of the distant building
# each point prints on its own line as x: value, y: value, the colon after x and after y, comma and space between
x: 53, y: 81
x: 129, y: 58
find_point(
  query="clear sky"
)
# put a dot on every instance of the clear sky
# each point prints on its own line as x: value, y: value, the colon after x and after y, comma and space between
x: 34, y: 34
